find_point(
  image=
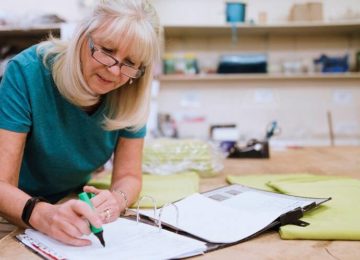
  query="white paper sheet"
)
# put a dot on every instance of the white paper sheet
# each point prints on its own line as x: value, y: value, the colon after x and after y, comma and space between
x: 228, y: 221
x: 126, y: 239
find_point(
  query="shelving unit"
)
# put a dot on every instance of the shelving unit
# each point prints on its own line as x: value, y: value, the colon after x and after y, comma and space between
x: 232, y: 77
x: 300, y: 102
x: 22, y: 37
x: 31, y: 30
x: 349, y: 30
x: 304, y: 28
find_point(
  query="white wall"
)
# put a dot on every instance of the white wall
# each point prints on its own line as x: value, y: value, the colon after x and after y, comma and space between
x: 185, y: 11
x: 299, y: 106
x: 71, y: 10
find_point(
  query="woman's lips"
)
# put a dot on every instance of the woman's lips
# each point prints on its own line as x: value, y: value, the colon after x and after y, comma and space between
x: 102, y: 79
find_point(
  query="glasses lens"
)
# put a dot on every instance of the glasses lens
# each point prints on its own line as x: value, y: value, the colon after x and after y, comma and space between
x: 110, y: 61
x: 104, y: 58
x: 130, y: 71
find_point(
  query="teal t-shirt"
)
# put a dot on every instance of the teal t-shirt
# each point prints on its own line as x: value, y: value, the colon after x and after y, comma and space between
x: 64, y: 143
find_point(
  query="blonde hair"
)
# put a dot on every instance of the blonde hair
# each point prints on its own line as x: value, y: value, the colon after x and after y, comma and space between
x: 134, y: 25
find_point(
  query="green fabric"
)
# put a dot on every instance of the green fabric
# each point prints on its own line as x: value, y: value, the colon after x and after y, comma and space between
x: 260, y: 181
x: 337, y: 219
x: 163, y: 189
x: 169, y: 156
x: 64, y: 144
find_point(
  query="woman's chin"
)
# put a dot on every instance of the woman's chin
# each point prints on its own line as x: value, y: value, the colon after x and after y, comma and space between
x: 101, y: 89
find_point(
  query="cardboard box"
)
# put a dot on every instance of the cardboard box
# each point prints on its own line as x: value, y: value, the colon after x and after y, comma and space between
x: 315, y: 11
x: 299, y: 13
x: 306, y: 12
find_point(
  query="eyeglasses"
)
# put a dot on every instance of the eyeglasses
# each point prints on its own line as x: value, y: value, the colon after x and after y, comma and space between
x: 109, y: 61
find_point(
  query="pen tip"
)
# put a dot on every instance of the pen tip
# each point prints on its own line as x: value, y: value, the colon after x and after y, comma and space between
x: 101, y: 238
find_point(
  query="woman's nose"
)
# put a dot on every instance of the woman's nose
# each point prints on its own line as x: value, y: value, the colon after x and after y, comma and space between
x: 115, y: 70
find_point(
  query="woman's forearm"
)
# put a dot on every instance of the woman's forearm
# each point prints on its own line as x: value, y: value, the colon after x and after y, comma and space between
x: 12, y: 201
x: 130, y: 185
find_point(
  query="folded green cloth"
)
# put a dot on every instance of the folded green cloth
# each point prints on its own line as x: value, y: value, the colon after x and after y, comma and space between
x: 163, y: 189
x: 337, y: 219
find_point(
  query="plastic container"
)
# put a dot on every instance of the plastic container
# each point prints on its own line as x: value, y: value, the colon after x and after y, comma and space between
x: 235, y: 12
x: 169, y: 64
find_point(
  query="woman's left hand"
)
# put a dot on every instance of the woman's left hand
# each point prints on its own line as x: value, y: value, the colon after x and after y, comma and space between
x: 105, y: 204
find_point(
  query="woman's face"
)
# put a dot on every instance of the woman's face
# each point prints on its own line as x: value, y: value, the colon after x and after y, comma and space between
x: 100, y: 78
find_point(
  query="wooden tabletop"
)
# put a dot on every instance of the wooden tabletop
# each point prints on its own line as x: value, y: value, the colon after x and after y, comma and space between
x: 340, y: 161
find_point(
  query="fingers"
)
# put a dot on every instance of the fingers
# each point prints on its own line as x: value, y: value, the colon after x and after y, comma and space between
x: 71, y: 229
x: 70, y: 221
x: 84, y: 210
x: 91, y: 189
x: 105, y: 204
x: 64, y: 237
x: 106, y: 215
x: 78, y: 227
x: 102, y: 200
x: 101, y: 195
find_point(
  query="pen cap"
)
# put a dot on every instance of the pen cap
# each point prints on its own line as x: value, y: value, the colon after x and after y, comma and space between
x: 86, y: 198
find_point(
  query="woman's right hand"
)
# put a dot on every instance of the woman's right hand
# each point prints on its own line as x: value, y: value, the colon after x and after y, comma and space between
x: 66, y: 222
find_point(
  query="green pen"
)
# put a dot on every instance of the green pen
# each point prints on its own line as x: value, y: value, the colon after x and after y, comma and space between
x: 98, y: 232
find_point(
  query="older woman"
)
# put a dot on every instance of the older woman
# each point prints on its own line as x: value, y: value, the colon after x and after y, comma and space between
x: 65, y: 108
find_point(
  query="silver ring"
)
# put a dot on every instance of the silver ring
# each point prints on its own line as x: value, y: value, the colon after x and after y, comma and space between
x: 107, y: 215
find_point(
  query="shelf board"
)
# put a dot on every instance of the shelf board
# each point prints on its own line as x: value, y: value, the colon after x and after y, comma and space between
x: 29, y: 31
x: 298, y: 28
x: 262, y: 76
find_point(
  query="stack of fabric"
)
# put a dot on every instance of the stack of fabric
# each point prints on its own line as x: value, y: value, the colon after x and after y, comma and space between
x: 337, y: 219
x: 169, y: 156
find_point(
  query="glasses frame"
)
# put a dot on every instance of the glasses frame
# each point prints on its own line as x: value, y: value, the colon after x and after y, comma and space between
x: 93, y: 49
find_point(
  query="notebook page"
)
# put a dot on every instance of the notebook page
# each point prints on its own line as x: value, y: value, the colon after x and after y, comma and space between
x: 220, y: 223
x: 126, y: 239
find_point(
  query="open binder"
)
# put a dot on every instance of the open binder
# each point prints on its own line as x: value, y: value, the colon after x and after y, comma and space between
x: 194, y: 225
x: 233, y: 214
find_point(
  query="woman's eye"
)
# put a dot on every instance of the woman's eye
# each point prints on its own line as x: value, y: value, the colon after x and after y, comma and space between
x: 129, y: 62
x: 107, y: 50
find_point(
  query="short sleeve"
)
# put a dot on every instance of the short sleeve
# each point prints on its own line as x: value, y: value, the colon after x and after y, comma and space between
x: 141, y: 133
x: 15, y: 109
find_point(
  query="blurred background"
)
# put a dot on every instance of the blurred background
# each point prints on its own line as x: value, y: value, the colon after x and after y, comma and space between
x: 229, y: 69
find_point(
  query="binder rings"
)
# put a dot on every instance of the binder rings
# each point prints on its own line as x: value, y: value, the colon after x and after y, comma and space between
x: 196, y: 224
